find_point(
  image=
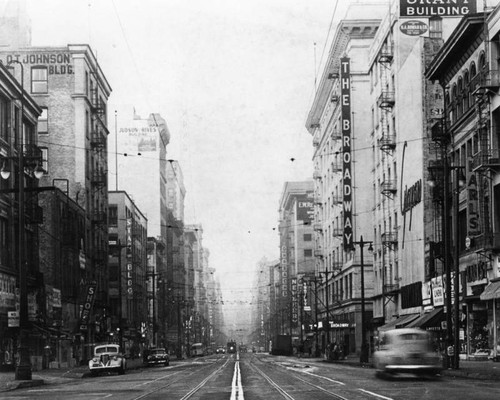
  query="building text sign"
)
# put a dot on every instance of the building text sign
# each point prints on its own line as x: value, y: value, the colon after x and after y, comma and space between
x: 345, y: 94
x: 436, y: 8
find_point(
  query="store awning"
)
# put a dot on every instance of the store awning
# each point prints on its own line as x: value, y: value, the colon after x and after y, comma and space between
x: 400, y: 322
x: 492, y: 291
x: 428, y: 320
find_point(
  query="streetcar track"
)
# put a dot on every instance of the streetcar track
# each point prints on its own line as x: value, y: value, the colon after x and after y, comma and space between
x: 284, y: 393
x: 189, y: 394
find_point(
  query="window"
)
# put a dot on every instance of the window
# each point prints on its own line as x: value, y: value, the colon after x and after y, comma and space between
x: 43, y: 126
x: 39, y: 80
x: 4, y: 132
x: 307, y: 237
x: 45, y: 159
x: 113, y: 215
x: 308, y: 252
x: 436, y: 28
x: 4, y: 242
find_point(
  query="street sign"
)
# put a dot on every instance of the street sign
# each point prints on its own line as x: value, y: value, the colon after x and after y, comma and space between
x: 13, y: 319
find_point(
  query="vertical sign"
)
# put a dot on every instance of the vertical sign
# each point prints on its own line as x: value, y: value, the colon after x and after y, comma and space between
x: 345, y: 94
x: 295, y: 306
x: 88, y: 303
x: 284, y: 271
x: 473, y: 226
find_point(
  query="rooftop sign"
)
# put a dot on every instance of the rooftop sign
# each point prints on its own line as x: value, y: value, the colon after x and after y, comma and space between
x: 436, y: 8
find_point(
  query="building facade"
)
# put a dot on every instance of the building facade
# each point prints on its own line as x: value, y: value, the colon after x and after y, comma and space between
x: 72, y: 91
x: 343, y: 184
x: 296, y: 210
x: 19, y: 112
x: 467, y: 133
x: 128, y: 276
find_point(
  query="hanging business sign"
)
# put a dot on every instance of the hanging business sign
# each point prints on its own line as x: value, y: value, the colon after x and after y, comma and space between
x: 295, y: 306
x: 284, y: 271
x: 436, y: 8
x: 88, y: 304
x: 345, y: 95
x: 473, y: 225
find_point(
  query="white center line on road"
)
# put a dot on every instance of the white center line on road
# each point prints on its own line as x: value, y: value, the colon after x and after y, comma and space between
x: 237, y: 388
x: 377, y: 395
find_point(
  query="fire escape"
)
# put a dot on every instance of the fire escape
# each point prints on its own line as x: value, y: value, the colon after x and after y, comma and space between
x: 487, y: 159
x: 387, y: 144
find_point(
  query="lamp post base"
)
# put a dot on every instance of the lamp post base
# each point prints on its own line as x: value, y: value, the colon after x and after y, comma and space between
x: 363, y: 357
x: 23, y: 373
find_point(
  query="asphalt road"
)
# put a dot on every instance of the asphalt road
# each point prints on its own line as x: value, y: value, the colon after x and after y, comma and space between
x: 258, y: 376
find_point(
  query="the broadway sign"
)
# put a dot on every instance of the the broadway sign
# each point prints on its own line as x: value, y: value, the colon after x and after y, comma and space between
x: 345, y: 94
x: 436, y: 8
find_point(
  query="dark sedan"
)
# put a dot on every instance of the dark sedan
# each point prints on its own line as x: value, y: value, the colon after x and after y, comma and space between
x: 156, y: 356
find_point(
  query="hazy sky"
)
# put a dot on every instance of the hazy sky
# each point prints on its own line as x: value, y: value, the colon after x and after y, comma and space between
x: 234, y: 79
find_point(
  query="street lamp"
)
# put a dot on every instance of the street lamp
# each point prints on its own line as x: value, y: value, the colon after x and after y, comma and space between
x: 363, y: 358
x: 452, y: 358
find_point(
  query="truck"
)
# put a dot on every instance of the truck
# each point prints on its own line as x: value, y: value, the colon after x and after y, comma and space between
x: 282, y: 345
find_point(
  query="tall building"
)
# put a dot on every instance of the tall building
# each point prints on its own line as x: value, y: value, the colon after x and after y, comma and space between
x: 296, y: 211
x: 72, y: 91
x: 469, y: 164
x: 139, y: 150
x: 128, y: 272
x: 343, y: 186
x: 19, y: 112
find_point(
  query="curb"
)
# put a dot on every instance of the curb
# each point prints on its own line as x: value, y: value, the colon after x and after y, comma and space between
x: 13, y: 385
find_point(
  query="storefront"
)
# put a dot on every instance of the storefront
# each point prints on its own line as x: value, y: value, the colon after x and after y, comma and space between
x: 491, y: 296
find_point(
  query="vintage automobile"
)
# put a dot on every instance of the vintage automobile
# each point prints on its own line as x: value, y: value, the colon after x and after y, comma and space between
x: 107, y: 358
x: 157, y: 356
x: 406, y: 350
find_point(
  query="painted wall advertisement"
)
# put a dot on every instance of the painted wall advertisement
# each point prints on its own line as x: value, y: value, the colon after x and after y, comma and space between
x: 139, y: 136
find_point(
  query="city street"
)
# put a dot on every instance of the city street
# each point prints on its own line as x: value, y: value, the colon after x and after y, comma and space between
x: 259, y: 376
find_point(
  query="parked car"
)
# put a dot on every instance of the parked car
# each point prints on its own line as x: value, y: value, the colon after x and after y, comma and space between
x: 406, y: 351
x: 107, y: 358
x: 157, y: 356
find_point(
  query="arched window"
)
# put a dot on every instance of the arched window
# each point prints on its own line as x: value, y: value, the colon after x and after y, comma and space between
x: 460, y: 96
x: 467, y: 93
x: 482, y: 62
x: 447, y: 106
x: 454, y: 103
x: 474, y: 79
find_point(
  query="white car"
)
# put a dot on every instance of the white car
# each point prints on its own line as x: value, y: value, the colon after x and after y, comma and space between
x: 406, y: 350
x: 107, y: 358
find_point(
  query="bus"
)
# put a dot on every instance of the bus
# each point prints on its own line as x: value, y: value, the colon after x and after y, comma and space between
x: 231, y: 347
x: 197, y: 350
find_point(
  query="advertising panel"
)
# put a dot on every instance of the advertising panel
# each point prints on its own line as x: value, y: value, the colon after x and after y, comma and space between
x: 305, y: 208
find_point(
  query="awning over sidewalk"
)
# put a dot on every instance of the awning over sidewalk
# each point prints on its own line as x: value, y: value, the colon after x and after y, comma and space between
x: 400, y: 322
x: 492, y: 291
x: 428, y: 320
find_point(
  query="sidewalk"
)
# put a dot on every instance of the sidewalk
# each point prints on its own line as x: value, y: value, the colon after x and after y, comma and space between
x: 53, y: 376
